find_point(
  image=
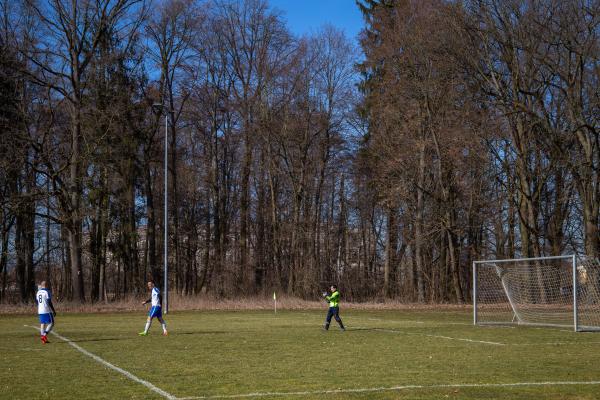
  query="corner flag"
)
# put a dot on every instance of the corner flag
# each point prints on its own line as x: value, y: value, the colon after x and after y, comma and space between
x: 275, y: 300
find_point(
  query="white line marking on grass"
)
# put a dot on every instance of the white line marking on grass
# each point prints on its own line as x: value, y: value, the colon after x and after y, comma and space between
x: 113, y: 367
x: 396, y: 321
x: 430, y: 323
x: 441, y: 337
x: 547, y: 328
x: 461, y: 339
x: 551, y: 343
x: 389, y: 389
x: 497, y: 327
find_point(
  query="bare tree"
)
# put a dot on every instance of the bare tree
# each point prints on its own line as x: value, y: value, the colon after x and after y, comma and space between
x: 72, y: 32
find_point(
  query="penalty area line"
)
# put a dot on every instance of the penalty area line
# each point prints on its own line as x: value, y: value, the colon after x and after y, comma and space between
x: 127, y: 374
x: 441, y: 337
x: 463, y: 340
x: 390, y: 389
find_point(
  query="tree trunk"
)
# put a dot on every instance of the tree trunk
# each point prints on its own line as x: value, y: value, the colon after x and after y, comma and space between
x: 66, y: 290
x: 244, y: 207
x: 454, y: 267
x: 25, y: 241
x: 74, y: 227
x: 74, y: 238
x: 95, y: 252
x: 390, y: 251
x: 4, y: 257
x: 151, y: 260
x: 174, y: 209
x: 419, y: 226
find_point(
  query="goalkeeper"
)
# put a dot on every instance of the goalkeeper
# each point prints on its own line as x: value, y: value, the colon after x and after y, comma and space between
x: 334, y: 308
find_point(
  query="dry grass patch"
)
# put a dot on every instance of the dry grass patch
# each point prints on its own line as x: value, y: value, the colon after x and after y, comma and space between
x: 206, y: 302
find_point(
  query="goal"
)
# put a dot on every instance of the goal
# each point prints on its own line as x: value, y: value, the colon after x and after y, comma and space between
x: 561, y: 291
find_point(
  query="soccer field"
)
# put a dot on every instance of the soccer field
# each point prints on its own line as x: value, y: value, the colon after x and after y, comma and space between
x: 259, y: 355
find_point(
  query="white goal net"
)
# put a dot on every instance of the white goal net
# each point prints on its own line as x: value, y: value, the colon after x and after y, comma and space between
x: 559, y: 291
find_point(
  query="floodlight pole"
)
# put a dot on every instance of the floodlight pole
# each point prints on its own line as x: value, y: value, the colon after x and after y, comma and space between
x: 160, y: 107
x: 474, y: 292
x: 575, y: 289
x: 166, y: 219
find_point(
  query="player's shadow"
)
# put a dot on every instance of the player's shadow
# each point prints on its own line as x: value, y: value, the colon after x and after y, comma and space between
x: 375, y: 329
x: 202, y: 333
x: 56, y: 341
x: 123, y: 338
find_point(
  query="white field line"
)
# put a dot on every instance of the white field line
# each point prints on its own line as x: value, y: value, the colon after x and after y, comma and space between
x: 462, y: 339
x: 557, y: 343
x: 441, y: 337
x: 547, y: 328
x: 493, y: 326
x: 551, y: 343
x: 390, y: 389
x: 113, y: 367
x: 429, y: 323
x: 396, y: 321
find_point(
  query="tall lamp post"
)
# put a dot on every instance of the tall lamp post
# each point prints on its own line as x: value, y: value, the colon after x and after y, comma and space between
x: 159, y: 107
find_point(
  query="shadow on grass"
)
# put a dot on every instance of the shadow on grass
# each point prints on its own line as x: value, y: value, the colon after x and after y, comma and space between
x: 375, y: 329
x: 58, y: 341
x: 136, y: 336
x: 203, y: 333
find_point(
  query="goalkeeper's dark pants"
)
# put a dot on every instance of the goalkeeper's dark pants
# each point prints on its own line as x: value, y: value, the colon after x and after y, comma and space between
x: 333, y: 312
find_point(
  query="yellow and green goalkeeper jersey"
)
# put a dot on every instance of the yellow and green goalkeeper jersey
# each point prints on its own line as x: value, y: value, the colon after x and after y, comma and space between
x: 334, y: 299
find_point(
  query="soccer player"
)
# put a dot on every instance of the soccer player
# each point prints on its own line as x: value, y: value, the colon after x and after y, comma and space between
x: 155, y: 310
x: 334, y: 308
x: 46, y: 311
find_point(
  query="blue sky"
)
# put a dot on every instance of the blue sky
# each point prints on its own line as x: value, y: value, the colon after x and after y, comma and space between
x: 305, y: 16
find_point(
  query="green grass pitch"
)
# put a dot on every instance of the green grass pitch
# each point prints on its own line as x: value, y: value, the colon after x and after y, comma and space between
x: 256, y: 354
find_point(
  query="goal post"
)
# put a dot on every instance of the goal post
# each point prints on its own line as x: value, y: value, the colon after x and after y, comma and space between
x: 560, y: 291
